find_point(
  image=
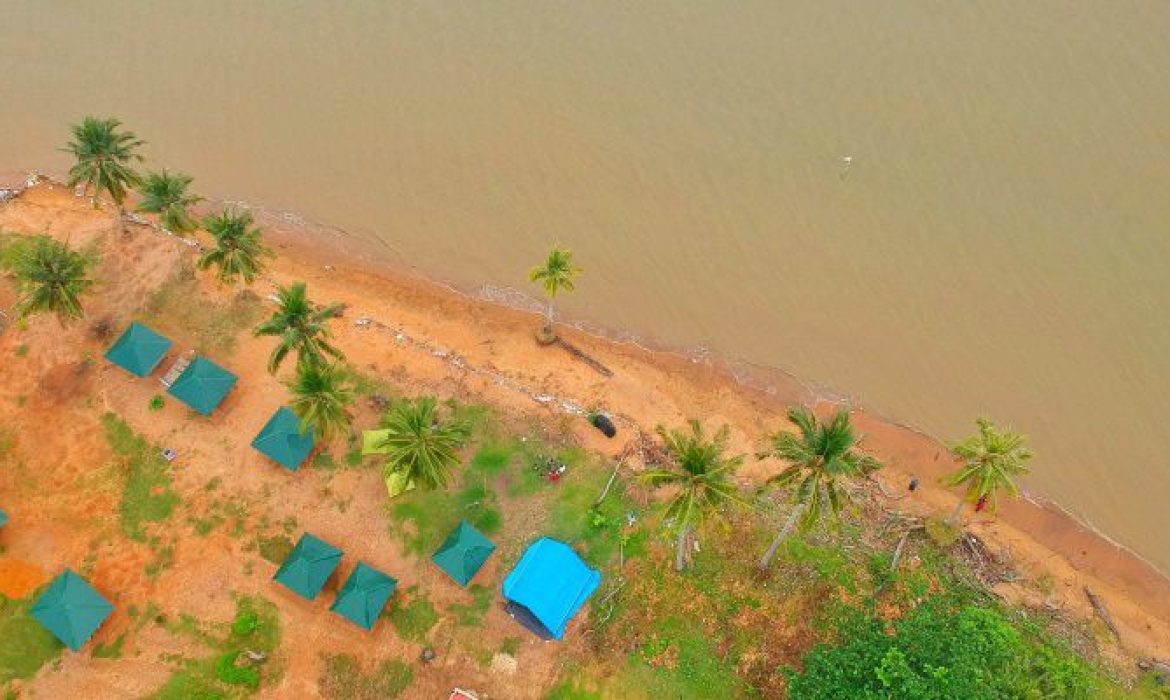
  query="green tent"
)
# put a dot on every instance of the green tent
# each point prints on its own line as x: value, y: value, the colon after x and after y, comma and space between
x: 371, y: 440
x: 282, y: 439
x: 464, y: 553
x: 398, y: 483
x: 203, y: 385
x: 3, y: 518
x: 364, y: 595
x: 308, y: 566
x: 138, y: 350
x: 71, y: 609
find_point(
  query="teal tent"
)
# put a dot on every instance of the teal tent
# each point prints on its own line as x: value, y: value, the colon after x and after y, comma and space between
x: 282, y: 440
x: 3, y: 518
x: 203, y: 385
x: 364, y: 595
x: 71, y: 609
x: 138, y: 350
x: 308, y: 566
x: 463, y: 553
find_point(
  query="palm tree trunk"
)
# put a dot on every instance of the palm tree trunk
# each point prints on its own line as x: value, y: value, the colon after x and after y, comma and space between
x: 122, y: 217
x: 680, y: 559
x: 548, y: 316
x: 954, y: 516
x: 789, y: 524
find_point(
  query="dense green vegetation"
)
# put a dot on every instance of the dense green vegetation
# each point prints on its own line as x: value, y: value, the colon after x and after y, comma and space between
x: 239, y: 252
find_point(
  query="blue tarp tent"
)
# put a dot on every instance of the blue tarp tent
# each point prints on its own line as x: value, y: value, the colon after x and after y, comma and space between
x: 548, y: 586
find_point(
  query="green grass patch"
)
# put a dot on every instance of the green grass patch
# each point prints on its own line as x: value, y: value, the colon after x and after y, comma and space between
x: 25, y: 646
x: 22, y: 350
x: 472, y: 614
x: 344, y: 679
x: 113, y: 650
x: 422, y: 519
x: 147, y: 496
x: 179, y: 309
x: 414, y: 619
x: 224, y: 673
x: 569, y: 690
x: 679, y: 660
x: 275, y: 549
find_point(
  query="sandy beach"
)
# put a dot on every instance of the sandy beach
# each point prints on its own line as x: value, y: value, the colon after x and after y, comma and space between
x: 428, y: 337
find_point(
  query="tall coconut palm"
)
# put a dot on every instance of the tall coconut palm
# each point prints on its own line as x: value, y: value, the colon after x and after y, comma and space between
x: 239, y: 252
x: 702, y: 474
x: 556, y: 275
x: 104, y: 153
x: 419, y: 445
x: 991, y: 462
x: 50, y: 277
x: 165, y: 194
x: 301, y: 326
x: 321, y: 396
x: 820, y: 456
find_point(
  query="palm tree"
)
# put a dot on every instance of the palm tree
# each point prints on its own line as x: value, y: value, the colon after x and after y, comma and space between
x: 51, y: 278
x: 421, y: 446
x: 702, y: 475
x: 321, y: 394
x: 555, y: 275
x: 166, y: 195
x: 238, y: 253
x: 104, y: 152
x: 820, y: 455
x: 991, y: 461
x: 301, y: 326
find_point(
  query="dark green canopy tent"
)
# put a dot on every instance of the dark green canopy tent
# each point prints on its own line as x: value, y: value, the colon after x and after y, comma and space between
x: 138, y: 350
x: 282, y: 440
x: 203, y: 385
x: 309, y: 566
x: 364, y: 595
x: 463, y: 553
x: 71, y: 609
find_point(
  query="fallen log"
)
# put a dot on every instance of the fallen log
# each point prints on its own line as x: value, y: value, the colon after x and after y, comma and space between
x: 1101, y: 611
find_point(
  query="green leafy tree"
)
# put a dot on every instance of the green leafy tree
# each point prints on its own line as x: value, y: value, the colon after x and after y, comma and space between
x: 991, y: 462
x: 165, y: 194
x: 301, y: 326
x: 556, y: 275
x: 239, y: 251
x: 103, y: 154
x: 820, y: 456
x: 321, y: 398
x: 420, y: 445
x: 50, y: 278
x: 940, y: 650
x: 701, y: 472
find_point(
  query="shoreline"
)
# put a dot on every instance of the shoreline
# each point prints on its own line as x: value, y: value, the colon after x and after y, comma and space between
x: 742, y: 373
x: 1043, y: 539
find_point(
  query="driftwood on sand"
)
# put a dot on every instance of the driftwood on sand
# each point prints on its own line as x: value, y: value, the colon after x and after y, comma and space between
x: 1102, y: 611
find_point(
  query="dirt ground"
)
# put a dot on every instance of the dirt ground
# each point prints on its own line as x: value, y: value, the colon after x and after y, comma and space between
x: 63, y: 498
